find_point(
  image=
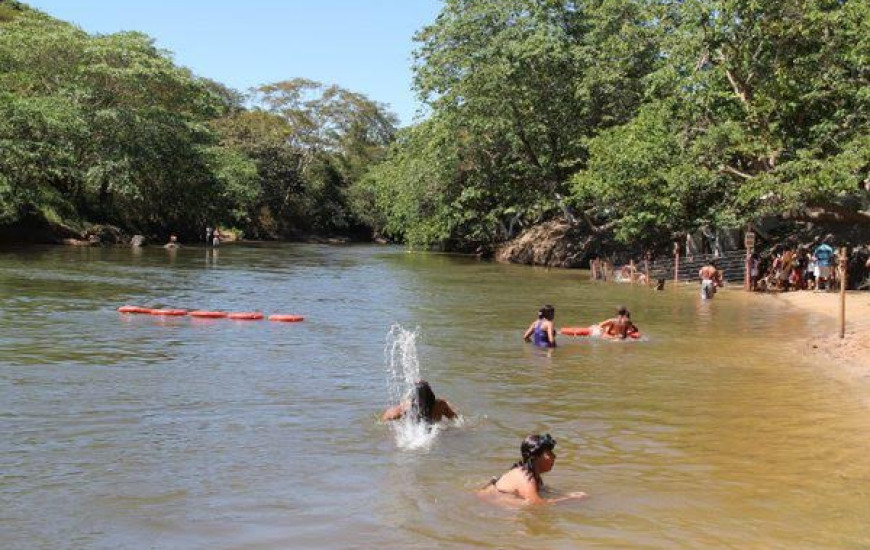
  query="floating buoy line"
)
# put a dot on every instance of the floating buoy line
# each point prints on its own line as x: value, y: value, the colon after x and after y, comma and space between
x: 202, y: 314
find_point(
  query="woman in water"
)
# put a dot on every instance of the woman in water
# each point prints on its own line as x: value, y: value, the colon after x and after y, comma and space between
x: 542, y: 332
x: 423, y: 406
x: 523, y: 480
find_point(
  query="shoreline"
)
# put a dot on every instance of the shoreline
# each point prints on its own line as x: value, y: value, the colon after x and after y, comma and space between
x: 852, y: 353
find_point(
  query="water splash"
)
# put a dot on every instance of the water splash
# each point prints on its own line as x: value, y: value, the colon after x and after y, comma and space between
x: 403, y: 371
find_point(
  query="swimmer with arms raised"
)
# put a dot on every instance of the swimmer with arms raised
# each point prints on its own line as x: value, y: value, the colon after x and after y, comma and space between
x: 423, y: 406
x: 542, y: 332
x: 523, y: 480
x: 619, y: 326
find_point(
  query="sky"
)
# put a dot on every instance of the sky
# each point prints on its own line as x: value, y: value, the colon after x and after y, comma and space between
x: 362, y: 45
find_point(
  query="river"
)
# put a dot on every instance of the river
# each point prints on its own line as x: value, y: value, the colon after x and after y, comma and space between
x: 126, y: 431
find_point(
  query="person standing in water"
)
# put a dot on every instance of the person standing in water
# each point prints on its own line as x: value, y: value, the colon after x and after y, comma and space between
x: 524, y: 479
x: 423, y: 406
x: 542, y: 332
x: 709, y: 275
x: 619, y: 326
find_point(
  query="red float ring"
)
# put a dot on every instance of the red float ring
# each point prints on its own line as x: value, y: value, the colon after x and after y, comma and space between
x: 245, y: 316
x: 286, y: 318
x: 168, y: 312
x: 576, y: 331
x: 208, y: 314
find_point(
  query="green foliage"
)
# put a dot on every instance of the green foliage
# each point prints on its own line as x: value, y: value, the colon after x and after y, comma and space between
x: 108, y: 129
x: 516, y: 88
x: 649, y: 116
x: 766, y: 113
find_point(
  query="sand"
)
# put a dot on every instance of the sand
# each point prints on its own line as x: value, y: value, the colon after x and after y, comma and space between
x: 853, y: 351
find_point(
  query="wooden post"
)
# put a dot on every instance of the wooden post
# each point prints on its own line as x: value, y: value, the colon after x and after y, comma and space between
x: 592, y: 270
x: 749, y: 243
x: 676, y: 262
x: 841, y: 267
x: 646, y: 267
x: 631, y: 271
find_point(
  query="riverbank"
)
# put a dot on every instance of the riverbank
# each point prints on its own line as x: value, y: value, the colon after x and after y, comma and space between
x: 852, y: 353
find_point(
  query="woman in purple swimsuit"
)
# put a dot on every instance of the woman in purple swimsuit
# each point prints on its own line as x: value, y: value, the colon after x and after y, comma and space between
x: 542, y: 332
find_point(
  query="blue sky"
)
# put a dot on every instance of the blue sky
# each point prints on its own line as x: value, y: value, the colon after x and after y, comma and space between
x: 361, y: 45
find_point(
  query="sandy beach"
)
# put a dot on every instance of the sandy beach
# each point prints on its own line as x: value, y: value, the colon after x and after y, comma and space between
x: 853, y: 351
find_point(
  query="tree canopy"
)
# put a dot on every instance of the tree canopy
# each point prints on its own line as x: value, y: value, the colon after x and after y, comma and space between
x: 648, y: 117
x: 108, y: 129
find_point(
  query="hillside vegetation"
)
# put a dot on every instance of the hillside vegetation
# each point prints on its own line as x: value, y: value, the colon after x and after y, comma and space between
x: 640, y: 119
x: 107, y: 129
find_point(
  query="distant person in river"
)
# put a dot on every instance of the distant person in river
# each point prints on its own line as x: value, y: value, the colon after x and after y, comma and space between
x: 216, y: 237
x: 709, y: 275
x: 542, y: 332
x: 209, y: 235
x: 423, y: 406
x: 523, y: 480
x: 173, y: 242
x: 619, y: 326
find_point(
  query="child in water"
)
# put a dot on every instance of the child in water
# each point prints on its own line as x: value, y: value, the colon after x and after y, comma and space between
x: 619, y: 326
x: 523, y: 480
x: 542, y: 332
x: 423, y: 405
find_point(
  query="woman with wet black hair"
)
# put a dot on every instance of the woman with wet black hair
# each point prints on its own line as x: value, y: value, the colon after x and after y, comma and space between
x: 524, y: 480
x: 423, y: 406
x: 542, y: 331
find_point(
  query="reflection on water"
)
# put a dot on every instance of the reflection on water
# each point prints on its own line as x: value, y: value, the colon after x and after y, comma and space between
x: 132, y: 431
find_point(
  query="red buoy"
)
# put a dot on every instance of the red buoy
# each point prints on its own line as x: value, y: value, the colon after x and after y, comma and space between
x: 168, y: 312
x: 286, y: 318
x: 208, y: 314
x: 245, y: 316
x: 133, y: 309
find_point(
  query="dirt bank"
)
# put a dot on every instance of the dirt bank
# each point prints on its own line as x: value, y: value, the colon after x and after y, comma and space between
x: 851, y: 352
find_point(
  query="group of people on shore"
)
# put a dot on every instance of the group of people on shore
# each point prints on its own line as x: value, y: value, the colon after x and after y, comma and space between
x: 799, y: 269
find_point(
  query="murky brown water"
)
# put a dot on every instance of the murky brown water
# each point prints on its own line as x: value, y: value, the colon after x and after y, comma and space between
x: 134, y: 432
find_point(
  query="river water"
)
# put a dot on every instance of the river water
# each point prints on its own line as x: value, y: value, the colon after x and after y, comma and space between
x: 123, y: 431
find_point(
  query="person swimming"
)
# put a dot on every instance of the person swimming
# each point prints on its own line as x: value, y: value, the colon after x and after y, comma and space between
x: 542, y: 332
x: 423, y: 406
x: 619, y: 326
x: 524, y: 479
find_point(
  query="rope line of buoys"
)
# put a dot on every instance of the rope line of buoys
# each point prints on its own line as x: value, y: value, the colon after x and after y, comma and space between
x: 204, y: 314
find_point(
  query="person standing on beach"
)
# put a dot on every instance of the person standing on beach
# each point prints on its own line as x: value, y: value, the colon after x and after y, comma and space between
x: 823, y: 255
